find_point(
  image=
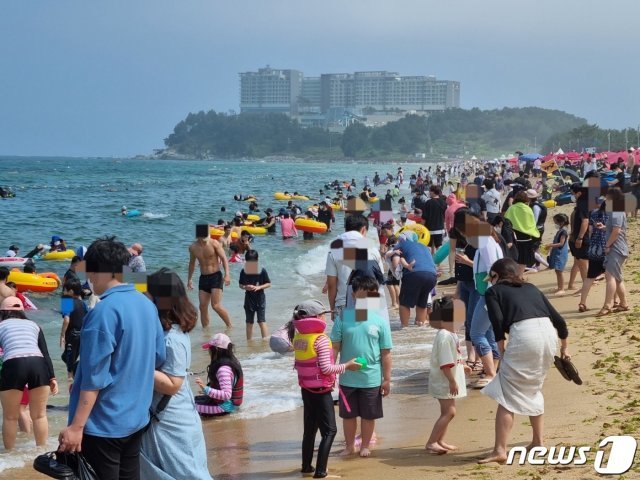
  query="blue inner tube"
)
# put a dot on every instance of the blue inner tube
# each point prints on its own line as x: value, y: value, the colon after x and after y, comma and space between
x: 133, y: 213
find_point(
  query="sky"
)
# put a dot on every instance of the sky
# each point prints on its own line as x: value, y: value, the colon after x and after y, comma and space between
x: 113, y: 78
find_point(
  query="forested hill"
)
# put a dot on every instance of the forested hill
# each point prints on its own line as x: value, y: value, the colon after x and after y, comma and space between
x: 453, y: 132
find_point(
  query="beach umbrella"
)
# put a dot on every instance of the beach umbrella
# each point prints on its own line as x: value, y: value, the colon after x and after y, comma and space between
x: 569, y: 174
x: 530, y: 156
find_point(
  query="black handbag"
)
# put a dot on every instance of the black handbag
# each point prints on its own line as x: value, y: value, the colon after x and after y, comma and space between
x: 64, y: 466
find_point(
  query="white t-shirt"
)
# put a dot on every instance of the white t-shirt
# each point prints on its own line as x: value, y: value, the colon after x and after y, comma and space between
x: 10, y: 253
x: 446, y: 352
x: 486, y: 256
x: 492, y: 199
x: 335, y: 268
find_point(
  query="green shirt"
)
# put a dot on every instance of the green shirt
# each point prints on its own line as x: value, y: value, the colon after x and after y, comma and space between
x: 362, y: 339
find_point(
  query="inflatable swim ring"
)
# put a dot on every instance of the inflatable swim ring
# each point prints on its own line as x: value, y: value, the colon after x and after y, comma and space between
x: 373, y: 199
x: 141, y: 287
x: 282, y: 196
x: 13, y: 262
x: 299, y: 197
x: 420, y: 230
x: 216, y: 233
x: 549, y: 203
x: 336, y: 206
x: 34, y: 282
x: 310, y: 226
x: 132, y: 213
x: 441, y: 253
x: 59, y: 256
x: 414, y: 218
x: 254, y: 230
x: 253, y: 218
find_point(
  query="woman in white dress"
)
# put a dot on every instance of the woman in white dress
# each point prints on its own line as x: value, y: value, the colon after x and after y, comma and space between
x: 173, y: 447
x: 522, y: 312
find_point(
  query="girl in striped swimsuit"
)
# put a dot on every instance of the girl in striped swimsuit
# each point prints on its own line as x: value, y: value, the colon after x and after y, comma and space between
x: 224, y: 391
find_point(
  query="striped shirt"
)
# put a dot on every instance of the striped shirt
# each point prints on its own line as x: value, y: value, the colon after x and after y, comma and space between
x: 19, y: 338
x: 225, y: 379
x: 325, y: 355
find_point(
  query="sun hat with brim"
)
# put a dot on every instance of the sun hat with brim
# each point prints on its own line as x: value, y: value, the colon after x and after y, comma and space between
x: 11, y: 303
x: 310, y: 309
x: 219, y: 340
x: 531, y: 193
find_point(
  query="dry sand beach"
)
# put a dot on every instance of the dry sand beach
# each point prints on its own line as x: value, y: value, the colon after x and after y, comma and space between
x: 605, y: 350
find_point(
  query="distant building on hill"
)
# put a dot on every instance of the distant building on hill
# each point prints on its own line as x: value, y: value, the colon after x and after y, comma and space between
x: 270, y: 90
x: 336, y: 99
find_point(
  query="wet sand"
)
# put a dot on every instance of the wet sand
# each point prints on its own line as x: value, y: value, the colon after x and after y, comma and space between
x: 605, y: 350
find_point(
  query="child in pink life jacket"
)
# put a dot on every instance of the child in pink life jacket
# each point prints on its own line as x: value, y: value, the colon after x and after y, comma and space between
x: 317, y: 371
x: 225, y: 388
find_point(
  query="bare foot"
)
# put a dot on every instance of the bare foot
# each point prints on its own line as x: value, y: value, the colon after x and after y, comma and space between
x: 435, y: 449
x: 446, y: 446
x: 347, y: 452
x: 501, y: 459
x: 365, y: 452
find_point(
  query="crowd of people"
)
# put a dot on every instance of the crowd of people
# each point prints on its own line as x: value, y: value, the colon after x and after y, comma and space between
x: 490, y: 225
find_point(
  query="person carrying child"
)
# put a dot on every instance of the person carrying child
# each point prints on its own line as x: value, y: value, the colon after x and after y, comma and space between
x: 314, y: 363
x: 224, y: 391
x: 559, y: 250
x: 73, y: 310
x: 447, y: 369
x: 362, y: 332
x: 254, y: 283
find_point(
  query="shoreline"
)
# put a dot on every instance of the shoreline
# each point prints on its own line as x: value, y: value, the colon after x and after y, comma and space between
x: 605, y: 350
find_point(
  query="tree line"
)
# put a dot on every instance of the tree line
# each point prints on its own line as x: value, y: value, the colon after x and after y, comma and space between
x: 452, y: 132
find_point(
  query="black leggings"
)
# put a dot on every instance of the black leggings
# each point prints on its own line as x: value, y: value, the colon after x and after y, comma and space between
x: 319, y: 413
x: 114, y: 458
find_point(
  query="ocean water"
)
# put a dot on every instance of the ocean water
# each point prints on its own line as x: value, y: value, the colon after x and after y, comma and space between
x: 80, y: 200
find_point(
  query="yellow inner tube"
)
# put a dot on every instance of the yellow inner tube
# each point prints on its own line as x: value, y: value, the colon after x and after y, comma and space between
x: 373, y: 199
x: 253, y: 218
x: 255, y: 230
x: 282, y: 196
x: 336, y: 206
x: 549, y: 203
x: 423, y: 234
x: 66, y: 255
x: 300, y: 197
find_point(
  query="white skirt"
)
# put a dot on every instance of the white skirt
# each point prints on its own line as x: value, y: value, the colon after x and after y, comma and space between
x: 527, y: 358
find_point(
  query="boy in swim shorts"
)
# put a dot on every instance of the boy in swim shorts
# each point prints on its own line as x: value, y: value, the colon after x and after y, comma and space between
x: 361, y: 332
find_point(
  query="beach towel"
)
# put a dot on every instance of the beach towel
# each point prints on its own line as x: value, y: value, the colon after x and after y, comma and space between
x: 521, y: 217
x: 527, y: 359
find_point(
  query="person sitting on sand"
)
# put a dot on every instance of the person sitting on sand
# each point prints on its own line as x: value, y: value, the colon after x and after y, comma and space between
x: 447, y: 370
x: 522, y: 312
x: 362, y: 332
x: 224, y: 390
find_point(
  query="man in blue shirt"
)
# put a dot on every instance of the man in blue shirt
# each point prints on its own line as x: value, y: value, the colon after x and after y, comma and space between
x: 417, y: 281
x: 122, y: 343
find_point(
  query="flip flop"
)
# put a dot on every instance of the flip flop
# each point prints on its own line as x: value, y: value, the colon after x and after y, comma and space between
x: 582, y: 308
x: 483, y: 382
x: 567, y: 369
x: 557, y: 361
x: 604, y: 311
x: 620, y: 308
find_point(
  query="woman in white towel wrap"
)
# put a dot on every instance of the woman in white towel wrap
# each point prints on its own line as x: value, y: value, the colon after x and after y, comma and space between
x: 522, y: 312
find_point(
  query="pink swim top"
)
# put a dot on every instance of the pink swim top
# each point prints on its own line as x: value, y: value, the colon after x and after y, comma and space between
x: 288, y: 228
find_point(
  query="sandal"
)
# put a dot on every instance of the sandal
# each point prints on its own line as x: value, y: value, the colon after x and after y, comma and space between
x: 620, y: 308
x: 582, y: 307
x: 604, y: 311
x: 483, y: 382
